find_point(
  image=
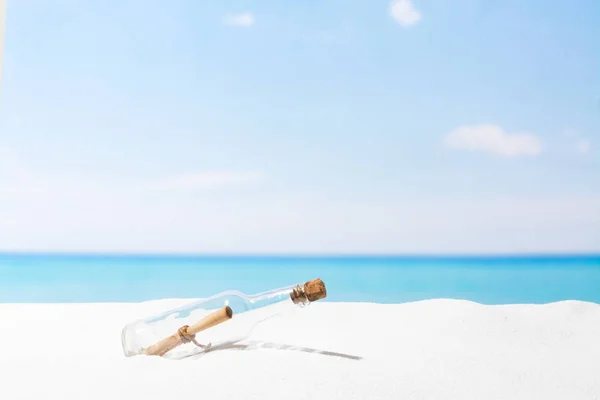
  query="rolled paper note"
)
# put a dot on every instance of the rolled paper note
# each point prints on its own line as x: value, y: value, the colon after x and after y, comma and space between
x: 186, y: 333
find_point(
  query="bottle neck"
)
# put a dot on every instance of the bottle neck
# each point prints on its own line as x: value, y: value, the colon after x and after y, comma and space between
x: 294, y: 294
x: 298, y: 296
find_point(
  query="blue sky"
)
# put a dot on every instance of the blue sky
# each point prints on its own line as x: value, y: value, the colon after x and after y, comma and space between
x: 243, y: 126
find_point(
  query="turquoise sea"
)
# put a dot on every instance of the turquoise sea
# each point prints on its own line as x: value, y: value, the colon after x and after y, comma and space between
x: 128, y: 278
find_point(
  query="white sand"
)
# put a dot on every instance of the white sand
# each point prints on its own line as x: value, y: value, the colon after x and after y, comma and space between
x: 439, y: 349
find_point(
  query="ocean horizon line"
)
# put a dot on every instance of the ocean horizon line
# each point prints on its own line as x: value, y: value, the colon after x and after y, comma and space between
x: 298, y: 256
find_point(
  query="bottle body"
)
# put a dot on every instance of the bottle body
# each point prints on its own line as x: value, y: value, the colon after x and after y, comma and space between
x: 213, y: 322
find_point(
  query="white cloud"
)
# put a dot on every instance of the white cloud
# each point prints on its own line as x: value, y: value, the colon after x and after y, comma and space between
x: 583, y: 146
x: 207, y: 179
x: 245, y: 19
x: 580, y: 143
x: 570, y: 133
x: 493, y: 139
x: 17, y: 179
x: 405, y: 13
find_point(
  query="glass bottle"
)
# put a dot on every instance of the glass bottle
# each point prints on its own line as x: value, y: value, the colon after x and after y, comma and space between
x: 213, y: 322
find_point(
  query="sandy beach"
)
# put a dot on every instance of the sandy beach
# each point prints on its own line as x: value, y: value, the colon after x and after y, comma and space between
x: 438, y: 349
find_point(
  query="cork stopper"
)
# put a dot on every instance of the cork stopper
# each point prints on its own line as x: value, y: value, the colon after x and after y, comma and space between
x: 311, y: 291
x: 315, y: 290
